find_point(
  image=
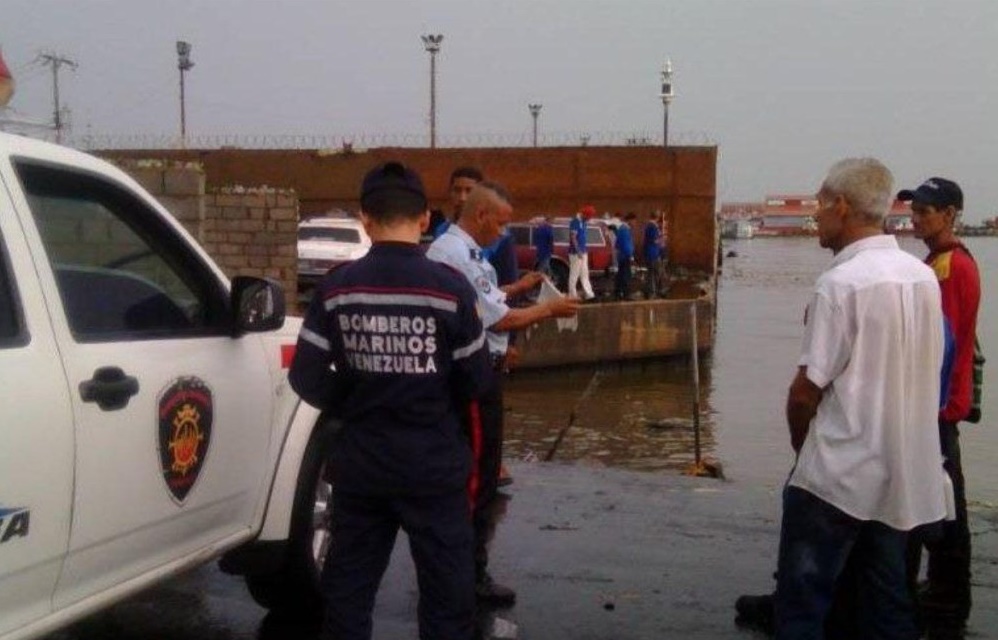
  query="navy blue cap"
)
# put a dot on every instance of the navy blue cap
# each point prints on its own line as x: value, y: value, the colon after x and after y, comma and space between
x: 936, y: 192
x: 392, y: 176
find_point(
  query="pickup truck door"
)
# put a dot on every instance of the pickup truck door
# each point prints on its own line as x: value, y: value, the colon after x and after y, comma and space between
x: 173, y: 414
x: 36, y: 438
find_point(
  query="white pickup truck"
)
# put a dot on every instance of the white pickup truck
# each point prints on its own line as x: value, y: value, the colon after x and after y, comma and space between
x: 146, y: 421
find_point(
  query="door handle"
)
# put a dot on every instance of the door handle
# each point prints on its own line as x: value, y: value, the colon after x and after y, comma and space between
x: 110, y: 388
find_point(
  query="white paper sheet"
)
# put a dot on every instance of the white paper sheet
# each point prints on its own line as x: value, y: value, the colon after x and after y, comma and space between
x: 548, y: 292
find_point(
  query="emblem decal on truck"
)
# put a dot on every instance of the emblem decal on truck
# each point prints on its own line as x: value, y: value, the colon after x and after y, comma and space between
x: 186, y: 412
x: 14, y: 523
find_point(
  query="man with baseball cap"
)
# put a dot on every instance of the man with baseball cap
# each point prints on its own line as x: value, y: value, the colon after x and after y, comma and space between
x: 935, y: 208
x: 392, y: 345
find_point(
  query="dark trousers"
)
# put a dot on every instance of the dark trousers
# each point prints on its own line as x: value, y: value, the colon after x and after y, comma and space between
x: 364, y: 528
x: 487, y: 512
x: 949, y: 549
x: 622, y: 282
x: 816, y: 543
x: 653, y: 278
x: 544, y: 265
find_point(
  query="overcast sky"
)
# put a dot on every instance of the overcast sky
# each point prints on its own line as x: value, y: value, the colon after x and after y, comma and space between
x: 783, y: 87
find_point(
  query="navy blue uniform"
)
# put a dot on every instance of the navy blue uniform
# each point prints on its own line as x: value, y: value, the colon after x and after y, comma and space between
x: 392, y: 345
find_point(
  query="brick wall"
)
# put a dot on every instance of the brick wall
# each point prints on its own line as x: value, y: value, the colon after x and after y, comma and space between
x: 247, y: 231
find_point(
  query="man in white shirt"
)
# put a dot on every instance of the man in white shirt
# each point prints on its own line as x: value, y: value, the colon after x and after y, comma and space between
x: 862, y: 417
x: 483, y: 217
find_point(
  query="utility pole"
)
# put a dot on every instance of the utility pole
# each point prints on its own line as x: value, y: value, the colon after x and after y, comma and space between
x: 432, y: 44
x: 56, y: 61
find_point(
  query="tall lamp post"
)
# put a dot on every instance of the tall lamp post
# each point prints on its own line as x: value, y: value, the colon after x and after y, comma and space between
x: 184, y: 63
x: 535, y: 110
x: 667, y: 95
x: 432, y: 44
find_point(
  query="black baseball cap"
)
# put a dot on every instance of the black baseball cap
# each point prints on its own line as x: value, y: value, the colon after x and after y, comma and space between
x: 936, y: 192
x: 392, y: 176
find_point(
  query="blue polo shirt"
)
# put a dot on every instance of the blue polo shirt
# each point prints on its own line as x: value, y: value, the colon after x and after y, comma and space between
x: 625, y: 242
x: 577, y: 229
x: 544, y: 240
x: 652, y: 250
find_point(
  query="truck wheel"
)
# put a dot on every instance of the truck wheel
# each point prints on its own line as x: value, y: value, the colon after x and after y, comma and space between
x: 559, y: 273
x: 295, y: 587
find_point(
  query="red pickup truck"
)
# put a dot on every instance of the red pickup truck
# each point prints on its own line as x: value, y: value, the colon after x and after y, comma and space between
x: 598, y: 244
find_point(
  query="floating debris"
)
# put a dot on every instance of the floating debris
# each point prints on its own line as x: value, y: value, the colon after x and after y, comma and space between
x: 708, y: 468
x: 669, y: 424
x: 558, y: 527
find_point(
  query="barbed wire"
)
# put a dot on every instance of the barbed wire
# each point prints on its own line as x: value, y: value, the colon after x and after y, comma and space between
x: 361, y: 141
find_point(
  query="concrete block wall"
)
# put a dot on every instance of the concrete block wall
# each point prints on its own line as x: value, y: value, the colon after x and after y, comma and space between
x: 247, y: 231
x: 179, y: 186
x: 254, y: 232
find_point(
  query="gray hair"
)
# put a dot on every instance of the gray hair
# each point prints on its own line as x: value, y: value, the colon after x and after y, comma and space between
x: 498, y: 189
x: 865, y: 183
x: 486, y: 193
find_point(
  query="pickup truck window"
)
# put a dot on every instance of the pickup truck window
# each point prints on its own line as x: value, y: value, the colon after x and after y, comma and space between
x: 594, y: 237
x: 10, y: 320
x: 122, y: 273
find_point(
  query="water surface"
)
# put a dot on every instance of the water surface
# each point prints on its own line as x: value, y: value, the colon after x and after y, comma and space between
x: 640, y: 416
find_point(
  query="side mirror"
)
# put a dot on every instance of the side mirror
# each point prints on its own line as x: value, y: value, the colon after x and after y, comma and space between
x: 257, y: 304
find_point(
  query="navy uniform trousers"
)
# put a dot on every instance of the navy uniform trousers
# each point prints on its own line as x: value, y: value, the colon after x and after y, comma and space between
x: 364, y: 528
x: 490, y: 426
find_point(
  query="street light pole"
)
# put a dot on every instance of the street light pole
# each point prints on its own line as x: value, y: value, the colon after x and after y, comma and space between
x: 535, y: 110
x: 667, y: 95
x: 184, y: 63
x: 432, y: 44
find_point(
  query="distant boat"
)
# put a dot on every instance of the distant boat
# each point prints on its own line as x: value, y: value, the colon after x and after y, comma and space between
x: 737, y: 230
x: 788, y: 215
x: 899, y: 224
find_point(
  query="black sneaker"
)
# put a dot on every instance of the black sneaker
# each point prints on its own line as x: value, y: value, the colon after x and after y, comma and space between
x: 757, y: 612
x: 488, y: 591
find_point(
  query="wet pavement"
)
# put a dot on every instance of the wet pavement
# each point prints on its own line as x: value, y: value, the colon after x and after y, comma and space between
x: 595, y: 554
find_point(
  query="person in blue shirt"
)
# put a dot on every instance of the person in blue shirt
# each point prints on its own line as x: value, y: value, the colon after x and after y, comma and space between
x: 392, y: 345
x: 544, y: 242
x: 625, y: 257
x: 502, y: 255
x: 652, y: 250
x: 578, y: 256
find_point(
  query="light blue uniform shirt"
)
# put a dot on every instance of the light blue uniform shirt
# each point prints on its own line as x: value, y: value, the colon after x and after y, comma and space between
x: 458, y: 250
